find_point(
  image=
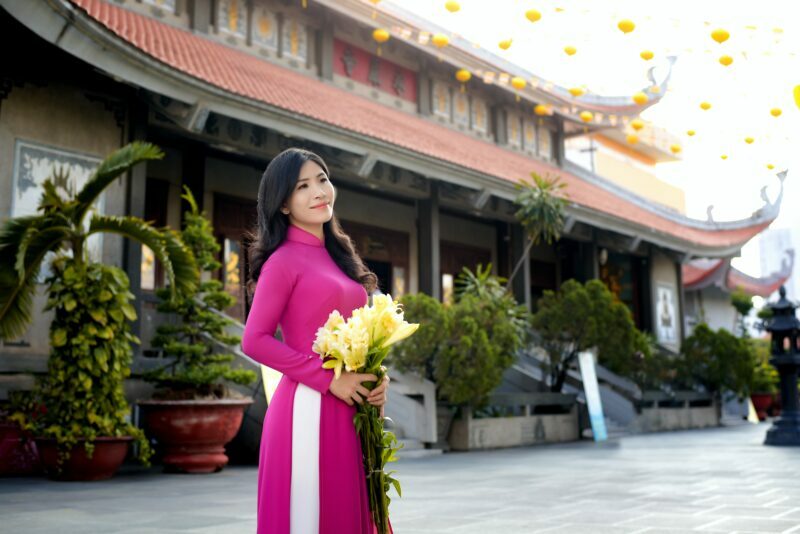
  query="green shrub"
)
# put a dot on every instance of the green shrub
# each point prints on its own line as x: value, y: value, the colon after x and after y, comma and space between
x: 717, y: 361
x: 418, y: 353
x: 581, y: 316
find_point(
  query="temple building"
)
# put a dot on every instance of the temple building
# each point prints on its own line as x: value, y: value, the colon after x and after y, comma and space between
x: 425, y: 165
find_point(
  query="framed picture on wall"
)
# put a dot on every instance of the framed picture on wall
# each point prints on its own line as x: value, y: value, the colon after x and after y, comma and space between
x: 666, y: 314
x: 33, y: 164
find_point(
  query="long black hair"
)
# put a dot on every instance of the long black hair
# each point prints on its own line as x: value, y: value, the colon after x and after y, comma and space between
x: 277, y: 184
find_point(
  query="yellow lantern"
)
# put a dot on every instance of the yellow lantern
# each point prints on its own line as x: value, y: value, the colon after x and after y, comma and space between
x: 797, y: 95
x: 646, y: 55
x: 632, y: 139
x: 577, y: 91
x: 452, y: 6
x: 626, y: 26
x: 570, y: 50
x: 749, y: 140
x: 586, y: 116
x: 675, y: 148
x: 505, y: 44
x: 637, y: 124
x: 542, y: 110
x: 775, y: 112
x: 463, y: 76
x: 726, y: 60
x: 705, y: 106
x: 518, y: 83
x: 655, y: 90
x: 380, y: 36
x: 770, y: 166
x: 533, y: 15
x: 640, y: 98
x: 440, y: 40
x: 690, y: 133
x: 720, y: 35
x: 724, y: 156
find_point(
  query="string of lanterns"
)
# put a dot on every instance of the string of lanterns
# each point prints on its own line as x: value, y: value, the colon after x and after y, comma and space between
x: 519, y: 83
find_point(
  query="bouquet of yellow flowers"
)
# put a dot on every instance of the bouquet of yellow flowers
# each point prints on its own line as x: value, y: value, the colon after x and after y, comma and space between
x: 360, y: 345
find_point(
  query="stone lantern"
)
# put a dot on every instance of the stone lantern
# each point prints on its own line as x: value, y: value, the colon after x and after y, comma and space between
x: 784, y: 327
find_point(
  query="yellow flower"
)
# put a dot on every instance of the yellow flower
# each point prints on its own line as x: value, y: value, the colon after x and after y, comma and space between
x: 402, y: 332
x: 334, y: 321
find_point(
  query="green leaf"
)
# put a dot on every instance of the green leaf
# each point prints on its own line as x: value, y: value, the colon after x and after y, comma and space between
x: 109, y: 169
x: 105, y: 295
x: 99, y: 315
x: 70, y: 304
x: 59, y: 337
x: 129, y: 311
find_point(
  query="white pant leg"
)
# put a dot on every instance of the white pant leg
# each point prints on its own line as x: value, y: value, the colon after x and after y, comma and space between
x: 304, y: 518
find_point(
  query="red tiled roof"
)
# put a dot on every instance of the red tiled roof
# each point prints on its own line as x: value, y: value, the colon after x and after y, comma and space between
x: 754, y: 286
x: 694, y: 274
x: 248, y: 76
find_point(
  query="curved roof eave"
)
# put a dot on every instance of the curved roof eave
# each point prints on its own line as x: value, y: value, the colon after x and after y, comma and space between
x: 73, y: 29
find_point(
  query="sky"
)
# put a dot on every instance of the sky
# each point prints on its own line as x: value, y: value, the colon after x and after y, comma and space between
x: 764, y: 44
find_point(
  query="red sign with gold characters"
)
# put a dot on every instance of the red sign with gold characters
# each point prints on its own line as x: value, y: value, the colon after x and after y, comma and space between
x: 364, y: 67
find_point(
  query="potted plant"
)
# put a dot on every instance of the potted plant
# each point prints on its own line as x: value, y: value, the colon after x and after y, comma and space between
x: 193, y: 413
x: 765, y: 380
x: 488, y: 327
x: 79, y: 414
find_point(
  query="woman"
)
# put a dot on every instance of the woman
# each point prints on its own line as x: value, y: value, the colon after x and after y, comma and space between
x: 311, y: 477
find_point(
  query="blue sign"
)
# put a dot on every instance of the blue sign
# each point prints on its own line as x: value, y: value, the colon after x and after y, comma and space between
x: 592, y: 391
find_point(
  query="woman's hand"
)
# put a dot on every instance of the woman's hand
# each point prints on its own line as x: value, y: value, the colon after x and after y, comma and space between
x: 349, y: 389
x: 378, y: 396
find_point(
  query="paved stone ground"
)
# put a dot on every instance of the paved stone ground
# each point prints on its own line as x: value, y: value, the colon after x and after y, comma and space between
x: 718, y: 480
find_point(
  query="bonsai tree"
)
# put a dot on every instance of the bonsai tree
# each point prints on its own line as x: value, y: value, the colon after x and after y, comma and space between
x: 81, y: 397
x: 541, y: 213
x: 743, y: 303
x: 419, y: 353
x: 196, y: 370
x: 487, y: 328
x: 717, y: 361
x: 580, y: 316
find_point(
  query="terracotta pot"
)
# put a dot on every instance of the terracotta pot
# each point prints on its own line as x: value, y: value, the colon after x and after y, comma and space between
x: 192, y: 433
x: 109, y: 453
x: 18, y: 457
x: 761, y: 402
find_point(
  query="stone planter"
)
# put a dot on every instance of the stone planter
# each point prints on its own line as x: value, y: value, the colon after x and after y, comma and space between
x: 192, y: 434
x: 683, y: 410
x: 762, y: 402
x: 108, y: 455
x: 499, y: 432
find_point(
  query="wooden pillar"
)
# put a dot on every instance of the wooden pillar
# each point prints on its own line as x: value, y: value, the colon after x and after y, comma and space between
x: 134, y: 206
x: 521, y: 285
x: 430, y: 272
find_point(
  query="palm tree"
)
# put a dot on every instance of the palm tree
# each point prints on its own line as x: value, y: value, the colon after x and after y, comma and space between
x: 541, y: 213
x: 61, y: 226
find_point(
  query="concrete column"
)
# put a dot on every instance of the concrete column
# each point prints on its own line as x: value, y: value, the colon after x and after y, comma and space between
x: 430, y: 272
x: 681, y: 300
x: 558, y: 143
x: 325, y: 50
x: 521, y: 285
x: 134, y: 206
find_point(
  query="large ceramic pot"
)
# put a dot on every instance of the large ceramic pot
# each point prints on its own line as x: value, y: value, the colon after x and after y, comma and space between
x: 108, y: 455
x: 192, y: 433
x: 762, y: 403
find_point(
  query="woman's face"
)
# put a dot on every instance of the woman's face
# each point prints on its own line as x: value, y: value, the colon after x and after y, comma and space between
x: 311, y: 202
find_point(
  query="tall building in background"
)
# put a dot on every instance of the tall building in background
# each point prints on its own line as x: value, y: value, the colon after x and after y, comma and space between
x: 773, y: 244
